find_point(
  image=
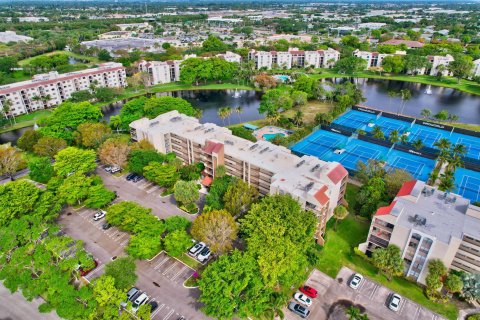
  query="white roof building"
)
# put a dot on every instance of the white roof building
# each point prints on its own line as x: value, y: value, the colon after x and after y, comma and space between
x: 11, y: 36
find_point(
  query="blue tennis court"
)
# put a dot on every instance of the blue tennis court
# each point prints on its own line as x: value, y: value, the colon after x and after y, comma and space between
x: 355, y: 119
x: 467, y: 183
x: 319, y: 143
x: 472, y: 144
x: 428, y: 135
x: 418, y: 167
x: 360, y: 151
x: 388, y: 125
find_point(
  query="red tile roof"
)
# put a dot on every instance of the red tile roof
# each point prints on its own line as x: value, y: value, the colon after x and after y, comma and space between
x: 209, y: 147
x: 217, y: 148
x: 407, y: 188
x: 408, y: 43
x: 385, y: 210
x: 207, y: 181
x: 337, y: 174
x: 321, y: 196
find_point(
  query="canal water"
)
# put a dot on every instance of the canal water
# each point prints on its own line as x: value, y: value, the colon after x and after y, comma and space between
x: 465, y: 105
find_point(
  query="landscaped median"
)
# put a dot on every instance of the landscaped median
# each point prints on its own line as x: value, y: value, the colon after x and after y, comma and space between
x: 340, y: 250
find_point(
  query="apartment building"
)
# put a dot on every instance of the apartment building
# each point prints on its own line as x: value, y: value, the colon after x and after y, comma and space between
x: 318, y: 186
x: 230, y: 57
x: 436, y: 62
x: 161, y: 72
x: 374, y: 59
x: 294, y: 58
x: 426, y: 223
x: 50, y: 89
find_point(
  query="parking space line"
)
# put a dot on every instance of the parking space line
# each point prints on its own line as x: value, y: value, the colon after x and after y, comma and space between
x: 161, y: 263
x: 157, y: 311
x: 168, y: 315
x: 374, y: 291
x: 417, y: 313
x: 124, y: 243
x: 153, y: 189
x: 169, y: 268
x: 403, y: 305
x: 178, y: 273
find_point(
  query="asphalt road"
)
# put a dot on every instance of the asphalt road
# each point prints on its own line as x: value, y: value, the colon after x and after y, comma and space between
x: 15, y: 307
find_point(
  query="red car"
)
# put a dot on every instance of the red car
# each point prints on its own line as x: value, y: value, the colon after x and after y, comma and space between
x: 309, y: 291
x: 85, y: 272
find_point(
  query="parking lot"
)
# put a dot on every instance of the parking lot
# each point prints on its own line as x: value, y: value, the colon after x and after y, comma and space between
x: 334, y: 296
x: 161, y: 278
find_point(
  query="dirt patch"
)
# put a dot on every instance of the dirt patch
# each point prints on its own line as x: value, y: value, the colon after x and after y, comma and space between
x: 337, y: 311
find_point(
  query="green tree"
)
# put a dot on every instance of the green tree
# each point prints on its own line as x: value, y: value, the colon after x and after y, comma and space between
x: 275, y: 100
x: 471, y: 286
x: 214, y: 198
x: 426, y: 113
x: 123, y: 271
x: 143, y: 246
x: 441, y: 115
x: 453, y: 283
x: 156, y: 106
x: 74, y: 189
x: 414, y: 63
x: 177, y: 242
x: 186, y: 192
x: 378, y: 133
x: 393, y: 64
x: 369, y: 196
x: 104, y: 55
x: 104, y: 94
x: 394, y: 180
x: 350, y: 65
x: 339, y: 213
x: 74, y: 160
x: 389, y: 261
x: 49, y: 146
x: 108, y: 297
x: 217, y: 229
x: 139, y: 159
x: 28, y: 139
x: 91, y: 135
x: 305, y: 84
x: 165, y: 175
x: 418, y: 144
x: 239, y: 275
x: 41, y: 169
x: 80, y: 96
x: 239, y: 197
x: 461, y: 67
x: 393, y: 137
x: 176, y: 223
x: 114, y: 151
x: 214, y: 44
x: 11, y: 160
x: 99, y: 196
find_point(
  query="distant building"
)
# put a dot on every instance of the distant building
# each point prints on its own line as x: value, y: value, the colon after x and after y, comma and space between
x: 230, y: 57
x: 438, y: 61
x: 126, y: 44
x: 223, y: 21
x: 134, y: 26
x: 11, y: 36
x: 33, y: 19
x: 161, y: 72
x: 426, y: 223
x: 374, y: 59
x: 409, y: 43
x: 115, y: 35
x: 317, y: 185
x: 47, y: 90
x: 476, y: 68
x: 294, y: 58
x: 371, y: 25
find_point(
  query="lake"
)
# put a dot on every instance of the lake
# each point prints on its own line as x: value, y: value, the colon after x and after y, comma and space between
x: 466, y: 106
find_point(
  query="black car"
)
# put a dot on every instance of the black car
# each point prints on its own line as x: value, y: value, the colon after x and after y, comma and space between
x: 153, y: 305
x: 137, y: 178
x: 106, y: 226
x: 130, y: 176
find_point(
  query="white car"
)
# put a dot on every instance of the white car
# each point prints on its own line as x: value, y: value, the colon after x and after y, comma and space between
x: 303, y: 299
x: 99, y: 215
x: 115, y: 169
x: 356, y: 281
x: 394, y: 303
x: 204, y: 255
x: 196, y: 249
x: 142, y: 299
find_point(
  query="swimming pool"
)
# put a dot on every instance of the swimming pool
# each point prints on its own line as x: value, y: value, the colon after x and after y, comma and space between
x: 282, y: 78
x: 270, y: 136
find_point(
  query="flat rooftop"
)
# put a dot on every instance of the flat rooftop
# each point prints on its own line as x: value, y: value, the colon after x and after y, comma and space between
x: 436, y: 213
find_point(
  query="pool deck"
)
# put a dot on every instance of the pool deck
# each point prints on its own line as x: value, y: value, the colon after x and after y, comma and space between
x: 269, y: 130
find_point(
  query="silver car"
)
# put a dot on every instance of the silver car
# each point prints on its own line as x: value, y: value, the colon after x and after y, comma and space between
x: 356, y: 281
x: 394, y: 303
x: 298, y: 309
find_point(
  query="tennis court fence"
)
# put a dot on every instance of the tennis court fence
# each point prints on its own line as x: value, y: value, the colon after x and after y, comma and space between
x: 397, y: 117
x: 467, y: 132
x: 425, y: 152
x: 338, y: 128
x: 471, y: 163
x: 368, y: 137
x: 366, y: 110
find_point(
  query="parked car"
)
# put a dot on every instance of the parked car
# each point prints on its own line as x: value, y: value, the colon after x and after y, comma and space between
x: 99, y: 215
x: 195, y: 250
x: 108, y: 168
x: 394, y: 303
x: 204, y: 255
x: 132, y: 293
x: 137, y: 178
x: 106, y: 226
x: 309, y: 291
x: 153, y: 305
x: 115, y: 169
x: 84, y: 272
x: 303, y: 299
x: 356, y: 281
x: 141, y: 299
x: 298, y: 309
x: 130, y: 176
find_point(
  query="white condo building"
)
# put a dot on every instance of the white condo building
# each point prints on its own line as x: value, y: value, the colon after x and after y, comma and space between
x: 230, y: 57
x: 476, y: 68
x: 318, y: 185
x: 50, y: 89
x: 374, y: 59
x: 161, y: 72
x: 437, y: 61
x: 294, y: 57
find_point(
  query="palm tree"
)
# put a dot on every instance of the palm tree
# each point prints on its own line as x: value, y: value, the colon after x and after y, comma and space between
x: 222, y: 114
x: 239, y: 111
x: 417, y: 144
x: 447, y: 181
x: 228, y: 112
x: 297, y: 118
x: 406, y: 95
x: 273, y: 117
x: 453, y: 117
x: 444, y: 146
x: 6, y: 107
x: 394, y: 136
x: 403, y: 139
x: 454, y: 162
x: 391, y: 94
x: 339, y: 213
x: 378, y: 133
x: 426, y: 113
x: 353, y: 313
x: 459, y: 149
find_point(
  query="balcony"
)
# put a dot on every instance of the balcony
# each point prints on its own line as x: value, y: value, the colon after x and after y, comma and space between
x: 381, y: 234
x: 469, y: 250
x: 380, y: 225
x: 379, y: 241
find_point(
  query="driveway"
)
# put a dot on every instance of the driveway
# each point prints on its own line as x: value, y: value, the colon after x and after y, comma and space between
x: 335, y: 296
x: 15, y: 307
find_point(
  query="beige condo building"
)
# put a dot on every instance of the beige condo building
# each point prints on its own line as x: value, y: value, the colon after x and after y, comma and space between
x: 426, y: 223
x: 317, y: 185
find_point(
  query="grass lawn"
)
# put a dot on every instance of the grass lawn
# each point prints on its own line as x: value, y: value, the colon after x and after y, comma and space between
x: 448, y: 82
x: 26, y: 120
x: 92, y: 60
x: 339, y: 251
x: 189, y: 261
x: 310, y: 110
